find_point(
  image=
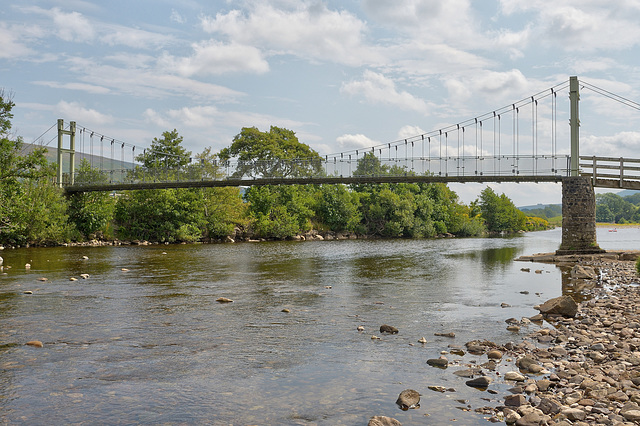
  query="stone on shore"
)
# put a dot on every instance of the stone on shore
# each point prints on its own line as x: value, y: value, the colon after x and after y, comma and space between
x: 479, y: 382
x: 583, y: 272
x: 563, y: 305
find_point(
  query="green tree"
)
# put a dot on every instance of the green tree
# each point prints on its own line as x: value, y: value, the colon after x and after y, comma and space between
x: 370, y: 165
x: 166, y: 152
x: 281, y: 211
x: 499, y: 212
x: 91, y: 212
x: 338, y: 208
x: 160, y: 215
x: 276, y: 153
x: 224, y: 210
x: 619, y: 208
x: 32, y: 208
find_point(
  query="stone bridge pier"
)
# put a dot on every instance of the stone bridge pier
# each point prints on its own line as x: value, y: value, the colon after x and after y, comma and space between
x: 578, y: 217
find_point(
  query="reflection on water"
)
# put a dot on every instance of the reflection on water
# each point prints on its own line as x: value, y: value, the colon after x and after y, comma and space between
x: 152, y: 345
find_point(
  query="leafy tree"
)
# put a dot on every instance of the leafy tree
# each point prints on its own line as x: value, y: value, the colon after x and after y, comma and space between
x: 370, y: 165
x: 32, y: 209
x: 276, y: 153
x: 91, y: 212
x: 499, y: 212
x: 281, y: 211
x: 617, y: 208
x: 162, y: 215
x: 166, y: 152
x: 223, y: 211
x: 338, y: 208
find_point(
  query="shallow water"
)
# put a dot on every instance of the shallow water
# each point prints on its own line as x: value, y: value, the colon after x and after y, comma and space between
x: 152, y: 345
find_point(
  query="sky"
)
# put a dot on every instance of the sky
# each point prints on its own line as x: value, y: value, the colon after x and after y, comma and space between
x: 342, y: 75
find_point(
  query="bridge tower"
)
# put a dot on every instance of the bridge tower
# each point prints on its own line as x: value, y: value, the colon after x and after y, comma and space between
x: 71, y: 150
x: 578, y: 197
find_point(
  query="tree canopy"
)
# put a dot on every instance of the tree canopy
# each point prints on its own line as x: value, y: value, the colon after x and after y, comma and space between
x: 276, y: 153
x: 166, y: 152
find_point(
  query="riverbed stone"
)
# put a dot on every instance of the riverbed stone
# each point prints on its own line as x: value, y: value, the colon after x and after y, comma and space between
x: 35, y: 343
x: 438, y: 362
x: 408, y: 398
x: 515, y: 400
x: 384, y: 328
x: 515, y: 376
x: 383, y: 421
x: 223, y: 300
x: 563, y: 305
x: 479, y: 382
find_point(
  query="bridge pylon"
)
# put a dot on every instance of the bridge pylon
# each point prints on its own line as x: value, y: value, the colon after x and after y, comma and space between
x: 574, y: 121
x: 71, y: 150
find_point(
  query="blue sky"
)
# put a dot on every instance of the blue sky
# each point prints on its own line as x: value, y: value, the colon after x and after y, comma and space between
x: 342, y: 75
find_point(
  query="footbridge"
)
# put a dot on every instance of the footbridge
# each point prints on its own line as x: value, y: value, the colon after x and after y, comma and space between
x: 520, y: 142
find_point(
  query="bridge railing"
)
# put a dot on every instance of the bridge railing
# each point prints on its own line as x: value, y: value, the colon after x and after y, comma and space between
x: 331, y: 167
x: 611, y: 172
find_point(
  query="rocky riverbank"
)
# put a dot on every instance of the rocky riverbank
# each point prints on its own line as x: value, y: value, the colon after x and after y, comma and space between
x: 579, y: 366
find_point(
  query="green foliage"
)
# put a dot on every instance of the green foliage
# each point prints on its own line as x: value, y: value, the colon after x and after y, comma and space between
x: 370, y: 165
x: 499, y: 212
x: 91, y: 212
x: 552, y: 210
x: 638, y: 266
x: 166, y: 215
x: 633, y: 199
x: 271, y: 154
x: 281, y: 211
x: 338, y: 208
x: 166, y: 152
x: 612, y: 208
x: 223, y: 211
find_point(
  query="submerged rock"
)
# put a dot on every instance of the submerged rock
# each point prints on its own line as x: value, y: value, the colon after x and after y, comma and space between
x: 479, y: 382
x: 35, y: 343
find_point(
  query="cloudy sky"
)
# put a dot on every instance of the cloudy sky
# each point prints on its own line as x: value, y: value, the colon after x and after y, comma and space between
x: 342, y: 75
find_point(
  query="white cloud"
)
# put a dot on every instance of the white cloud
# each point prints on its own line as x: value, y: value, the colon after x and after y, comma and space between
x: 177, y: 17
x: 581, y: 25
x: 12, y: 46
x: 623, y: 144
x: 146, y: 82
x: 378, y: 89
x: 73, y: 111
x: 214, y: 58
x: 307, y: 30
x: 89, y: 88
x: 432, y: 21
x: 410, y: 131
x: 117, y: 35
x: 351, y: 142
x: 72, y: 26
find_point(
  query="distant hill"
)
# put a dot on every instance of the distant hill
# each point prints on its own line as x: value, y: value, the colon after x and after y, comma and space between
x: 96, y: 161
x: 544, y: 211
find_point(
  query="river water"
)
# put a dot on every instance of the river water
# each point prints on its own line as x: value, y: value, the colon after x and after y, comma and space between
x: 150, y: 344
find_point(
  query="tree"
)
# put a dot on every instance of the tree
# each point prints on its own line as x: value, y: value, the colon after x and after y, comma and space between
x: 32, y: 208
x: 276, y: 153
x: 499, y: 212
x: 338, y: 208
x: 370, y: 165
x: 91, y: 212
x: 166, y: 152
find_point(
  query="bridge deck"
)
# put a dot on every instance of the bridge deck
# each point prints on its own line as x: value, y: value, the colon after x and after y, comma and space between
x: 312, y: 181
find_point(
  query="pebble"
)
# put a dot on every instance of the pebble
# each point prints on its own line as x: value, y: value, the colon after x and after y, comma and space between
x: 35, y: 343
x: 27, y: 292
x: 223, y: 300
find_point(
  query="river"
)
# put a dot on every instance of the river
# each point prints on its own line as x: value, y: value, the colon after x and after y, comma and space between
x: 143, y: 340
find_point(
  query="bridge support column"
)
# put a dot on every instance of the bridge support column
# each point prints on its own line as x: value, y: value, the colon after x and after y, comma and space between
x: 578, y: 217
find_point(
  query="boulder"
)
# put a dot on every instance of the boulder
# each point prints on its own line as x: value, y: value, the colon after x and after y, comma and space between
x: 384, y: 328
x: 515, y: 400
x: 479, y: 382
x: 408, y: 398
x: 583, y: 272
x: 515, y: 376
x: 438, y: 362
x: 563, y: 305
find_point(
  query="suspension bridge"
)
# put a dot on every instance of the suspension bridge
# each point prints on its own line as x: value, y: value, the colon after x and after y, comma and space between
x: 520, y: 142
